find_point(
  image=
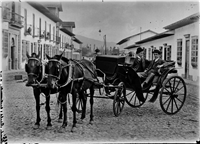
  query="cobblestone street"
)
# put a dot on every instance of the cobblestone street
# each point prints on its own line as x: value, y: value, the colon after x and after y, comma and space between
x: 145, y: 124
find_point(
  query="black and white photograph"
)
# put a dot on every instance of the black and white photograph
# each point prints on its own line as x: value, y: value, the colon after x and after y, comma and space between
x: 99, y: 71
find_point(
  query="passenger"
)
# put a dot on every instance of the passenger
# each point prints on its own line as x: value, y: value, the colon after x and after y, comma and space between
x: 34, y: 55
x: 153, y: 68
x: 128, y: 59
x: 139, y: 62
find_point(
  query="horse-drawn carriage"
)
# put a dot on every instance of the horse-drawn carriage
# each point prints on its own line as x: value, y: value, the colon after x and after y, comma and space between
x: 121, y: 83
x: 111, y: 76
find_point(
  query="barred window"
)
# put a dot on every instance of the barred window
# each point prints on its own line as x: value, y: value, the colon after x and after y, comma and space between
x: 169, y: 53
x: 179, y: 51
x: 194, y: 51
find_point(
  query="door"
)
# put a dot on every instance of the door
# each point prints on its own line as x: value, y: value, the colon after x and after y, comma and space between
x: 187, y: 47
x: 12, y: 53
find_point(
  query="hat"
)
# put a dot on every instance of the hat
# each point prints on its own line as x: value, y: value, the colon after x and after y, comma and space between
x: 130, y: 53
x: 157, y: 51
x: 139, y: 50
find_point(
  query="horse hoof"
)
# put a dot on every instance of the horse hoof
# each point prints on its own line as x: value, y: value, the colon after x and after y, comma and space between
x: 91, y: 123
x: 73, y: 129
x: 59, y: 120
x: 36, y: 127
x: 49, y: 128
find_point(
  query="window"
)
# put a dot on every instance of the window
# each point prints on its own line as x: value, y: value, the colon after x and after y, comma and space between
x: 179, y: 52
x: 25, y: 20
x: 145, y: 51
x: 33, y: 25
x: 168, y: 54
x: 40, y: 27
x: 194, y: 51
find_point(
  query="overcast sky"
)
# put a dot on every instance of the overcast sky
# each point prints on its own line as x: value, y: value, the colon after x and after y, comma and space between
x: 120, y: 19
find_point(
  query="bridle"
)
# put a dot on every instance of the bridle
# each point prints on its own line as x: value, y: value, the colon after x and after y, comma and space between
x: 33, y: 74
x: 69, y: 79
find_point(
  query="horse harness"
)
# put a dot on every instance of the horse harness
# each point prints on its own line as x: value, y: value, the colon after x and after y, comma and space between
x: 71, y: 78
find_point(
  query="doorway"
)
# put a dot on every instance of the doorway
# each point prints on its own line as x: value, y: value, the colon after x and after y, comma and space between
x: 12, y: 56
x: 187, y: 50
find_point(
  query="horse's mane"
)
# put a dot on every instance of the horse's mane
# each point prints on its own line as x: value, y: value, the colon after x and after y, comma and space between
x: 65, y: 59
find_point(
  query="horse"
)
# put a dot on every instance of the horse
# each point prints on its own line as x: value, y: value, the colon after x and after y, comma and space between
x: 37, y: 80
x: 75, y: 77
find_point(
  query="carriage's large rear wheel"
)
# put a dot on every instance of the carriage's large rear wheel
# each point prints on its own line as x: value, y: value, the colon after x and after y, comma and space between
x: 173, y: 95
x: 132, y: 99
x: 119, y: 99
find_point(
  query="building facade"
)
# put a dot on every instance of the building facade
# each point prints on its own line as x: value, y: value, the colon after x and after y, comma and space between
x: 34, y: 27
x: 179, y: 43
x: 128, y: 44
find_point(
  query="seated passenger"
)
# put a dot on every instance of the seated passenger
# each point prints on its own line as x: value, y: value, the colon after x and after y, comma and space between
x: 139, y: 62
x: 153, y: 68
x: 128, y: 59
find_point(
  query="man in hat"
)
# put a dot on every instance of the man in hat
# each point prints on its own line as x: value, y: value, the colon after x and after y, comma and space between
x: 139, y: 63
x: 129, y: 57
x: 153, y: 67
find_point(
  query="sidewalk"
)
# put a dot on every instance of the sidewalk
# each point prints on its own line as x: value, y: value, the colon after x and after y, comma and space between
x: 190, y: 82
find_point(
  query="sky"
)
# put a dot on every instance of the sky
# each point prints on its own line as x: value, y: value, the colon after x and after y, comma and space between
x: 120, y: 19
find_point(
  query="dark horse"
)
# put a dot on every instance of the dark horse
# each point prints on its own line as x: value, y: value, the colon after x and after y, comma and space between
x: 75, y: 77
x: 37, y: 80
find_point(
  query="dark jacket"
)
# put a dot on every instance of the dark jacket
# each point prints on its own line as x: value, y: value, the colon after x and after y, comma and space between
x: 152, y: 68
x: 139, y: 65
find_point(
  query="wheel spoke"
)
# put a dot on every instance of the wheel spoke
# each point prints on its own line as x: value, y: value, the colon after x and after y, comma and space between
x: 135, y: 100
x: 168, y: 104
x: 179, y: 89
x: 177, y: 85
x: 167, y: 90
x: 174, y: 84
x: 166, y: 101
x: 179, y: 99
x: 170, y: 86
x: 172, y: 107
x: 131, y: 98
x: 176, y: 104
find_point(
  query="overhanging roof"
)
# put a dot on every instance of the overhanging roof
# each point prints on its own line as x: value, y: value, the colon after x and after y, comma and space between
x: 53, y: 4
x: 67, y: 31
x: 76, y: 40
x: 131, y: 46
x: 126, y: 39
x: 158, y: 36
x: 188, y: 20
x: 44, y: 11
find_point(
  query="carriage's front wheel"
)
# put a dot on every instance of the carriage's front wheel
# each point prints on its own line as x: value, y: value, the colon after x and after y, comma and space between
x: 173, y: 95
x: 119, y: 99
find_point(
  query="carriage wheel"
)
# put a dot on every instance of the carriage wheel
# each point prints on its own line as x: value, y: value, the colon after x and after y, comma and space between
x: 173, y: 95
x: 132, y: 100
x: 79, y: 105
x: 119, y: 99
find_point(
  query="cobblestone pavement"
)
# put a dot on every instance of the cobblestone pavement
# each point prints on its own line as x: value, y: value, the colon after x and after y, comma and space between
x: 145, y: 124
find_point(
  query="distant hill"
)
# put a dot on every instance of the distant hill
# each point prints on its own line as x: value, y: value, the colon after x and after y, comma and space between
x: 91, y: 42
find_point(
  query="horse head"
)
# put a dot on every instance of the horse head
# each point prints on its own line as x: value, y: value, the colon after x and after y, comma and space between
x: 33, y: 68
x: 54, y: 70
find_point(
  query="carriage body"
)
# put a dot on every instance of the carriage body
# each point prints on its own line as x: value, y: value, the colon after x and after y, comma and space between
x: 113, y: 71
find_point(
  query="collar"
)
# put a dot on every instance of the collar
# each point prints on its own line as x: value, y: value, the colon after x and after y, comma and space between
x: 156, y: 59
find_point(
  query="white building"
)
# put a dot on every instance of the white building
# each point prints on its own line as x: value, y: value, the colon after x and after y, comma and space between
x: 40, y: 31
x: 179, y: 43
x: 128, y: 44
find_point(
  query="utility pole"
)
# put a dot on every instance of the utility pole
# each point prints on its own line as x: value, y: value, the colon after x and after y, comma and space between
x: 105, y: 43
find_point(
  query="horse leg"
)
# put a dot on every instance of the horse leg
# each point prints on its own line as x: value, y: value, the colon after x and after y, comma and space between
x: 91, y: 104
x: 37, y: 99
x: 83, y: 96
x: 60, y: 114
x: 47, y: 107
x: 74, y: 95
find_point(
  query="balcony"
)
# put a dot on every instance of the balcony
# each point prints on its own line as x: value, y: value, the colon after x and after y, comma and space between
x: 6, y: 14
x: 48, y: 36
x: 28, y: 31
x: 16, y: 20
